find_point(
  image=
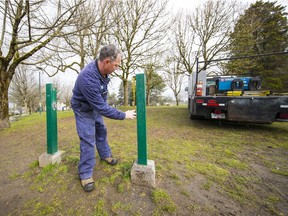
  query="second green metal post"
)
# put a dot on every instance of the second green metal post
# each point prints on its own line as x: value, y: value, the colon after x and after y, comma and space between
x: 51, y: 116
x: 141, y: 118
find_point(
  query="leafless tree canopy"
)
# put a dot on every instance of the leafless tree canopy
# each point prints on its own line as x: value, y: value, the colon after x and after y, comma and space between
x: 174, y: 79
x: 60, y: 36
x: 204, y: 32
x: 89, y: 27
x: 139, y: 30
x: 27, y: 27
x: 24, y: 89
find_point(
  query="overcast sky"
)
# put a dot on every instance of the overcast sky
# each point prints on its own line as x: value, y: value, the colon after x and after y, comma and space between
x: 190, y: 4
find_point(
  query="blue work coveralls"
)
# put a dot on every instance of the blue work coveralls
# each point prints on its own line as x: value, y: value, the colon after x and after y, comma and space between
x: 89, y: 105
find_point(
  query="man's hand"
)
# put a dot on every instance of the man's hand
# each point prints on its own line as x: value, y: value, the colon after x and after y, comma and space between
x: 130, y: 114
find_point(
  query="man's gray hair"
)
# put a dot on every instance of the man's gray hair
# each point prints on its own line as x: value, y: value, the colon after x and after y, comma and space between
x: 109, y: 51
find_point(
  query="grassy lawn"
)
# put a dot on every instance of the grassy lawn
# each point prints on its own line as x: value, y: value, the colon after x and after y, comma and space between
x: 202, y: 168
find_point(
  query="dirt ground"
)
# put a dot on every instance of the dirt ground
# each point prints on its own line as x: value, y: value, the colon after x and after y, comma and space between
x: 21, y: 148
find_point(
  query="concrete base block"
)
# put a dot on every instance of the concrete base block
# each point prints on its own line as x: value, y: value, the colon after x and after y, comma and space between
x: 144, y: 174
x: 46, y: 159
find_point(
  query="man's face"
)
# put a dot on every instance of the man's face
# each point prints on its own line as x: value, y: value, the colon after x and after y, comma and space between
x: 111, y: 66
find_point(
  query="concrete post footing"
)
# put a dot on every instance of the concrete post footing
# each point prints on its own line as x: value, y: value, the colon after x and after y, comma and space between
x: 46, y: 159
x: 144, y: 175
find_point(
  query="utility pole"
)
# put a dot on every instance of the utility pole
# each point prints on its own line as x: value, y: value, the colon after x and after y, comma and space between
x: 40, y: 95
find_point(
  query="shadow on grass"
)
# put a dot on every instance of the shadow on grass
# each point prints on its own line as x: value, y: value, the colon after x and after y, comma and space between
x: 275, y: 127
x: 168, y: 115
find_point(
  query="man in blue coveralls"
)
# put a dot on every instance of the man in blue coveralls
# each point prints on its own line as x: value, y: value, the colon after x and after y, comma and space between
x: 89, y: 105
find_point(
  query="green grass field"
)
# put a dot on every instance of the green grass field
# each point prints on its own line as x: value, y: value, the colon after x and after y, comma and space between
x: 202, y: 168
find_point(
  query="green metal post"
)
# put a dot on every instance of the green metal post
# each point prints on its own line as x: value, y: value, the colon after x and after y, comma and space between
x: 51, y: 117
x: 141, y: 118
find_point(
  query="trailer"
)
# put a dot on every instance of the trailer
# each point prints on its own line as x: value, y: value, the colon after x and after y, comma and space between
x: 234, y: 98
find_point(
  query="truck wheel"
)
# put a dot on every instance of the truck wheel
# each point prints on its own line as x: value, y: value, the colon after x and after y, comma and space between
x: 194, y: 117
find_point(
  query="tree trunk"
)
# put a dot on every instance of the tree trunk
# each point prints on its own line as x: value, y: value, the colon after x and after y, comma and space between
x: 148, y: 100
x: 4, y: 105
x: 148, y: 97
x: 125, y: 88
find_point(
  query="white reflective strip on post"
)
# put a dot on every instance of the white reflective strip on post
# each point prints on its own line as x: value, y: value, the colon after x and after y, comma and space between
x: 283, y: 106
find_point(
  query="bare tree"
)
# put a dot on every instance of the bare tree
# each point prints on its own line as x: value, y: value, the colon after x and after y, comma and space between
x: 174, y: 79
x: 202, y: 33
x: 212, y: 22
x: 23, y: 89
x: 28, y: 26
x: 90, y: 26
x: 60, y: 87
x: 66, y: 95
x: 139, y: 31
x: 181, y: 54
x: 184, y: 49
